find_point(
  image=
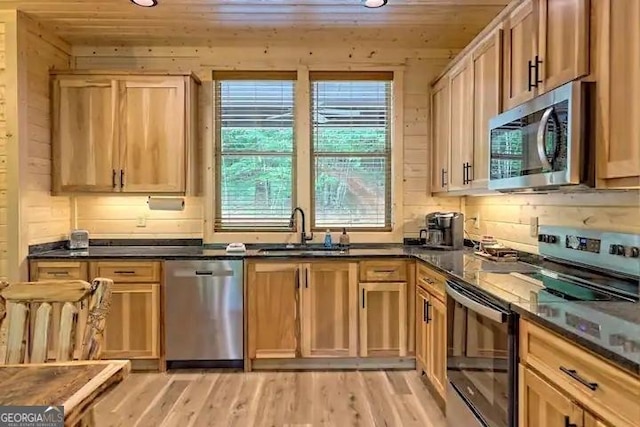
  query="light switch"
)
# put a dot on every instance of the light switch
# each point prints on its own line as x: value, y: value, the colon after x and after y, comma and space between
x: 142, y: 221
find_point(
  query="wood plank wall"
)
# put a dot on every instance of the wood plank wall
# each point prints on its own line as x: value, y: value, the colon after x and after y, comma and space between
x: 117, y: 216
x: 508, y: 217
x: 47, y: 218
x: 3, y: 161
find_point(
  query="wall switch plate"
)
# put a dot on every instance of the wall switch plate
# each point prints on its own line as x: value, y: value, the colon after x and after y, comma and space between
x: 533, y: 226
x: 142, y: 221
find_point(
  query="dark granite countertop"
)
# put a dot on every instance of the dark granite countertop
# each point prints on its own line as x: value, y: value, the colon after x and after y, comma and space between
x: 498, y: 280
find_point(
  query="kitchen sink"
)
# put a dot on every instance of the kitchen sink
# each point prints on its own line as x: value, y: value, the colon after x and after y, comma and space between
x: 301, y: 250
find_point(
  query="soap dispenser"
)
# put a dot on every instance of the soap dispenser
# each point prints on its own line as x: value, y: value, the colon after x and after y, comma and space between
x: 344, y: 238
x: 327, y: 239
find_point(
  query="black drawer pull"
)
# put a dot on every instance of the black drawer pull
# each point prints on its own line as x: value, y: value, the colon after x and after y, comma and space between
x: 124, y: 272
x: 574, y: 374
x: 59, y: 273
x: 385, y: 271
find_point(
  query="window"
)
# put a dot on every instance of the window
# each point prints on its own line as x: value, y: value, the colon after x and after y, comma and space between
x: 351, y: 150
x: 255, y: 150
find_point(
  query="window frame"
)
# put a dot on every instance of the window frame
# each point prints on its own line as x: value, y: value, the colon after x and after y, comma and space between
x: 218, y: 77
x: 353, y: 76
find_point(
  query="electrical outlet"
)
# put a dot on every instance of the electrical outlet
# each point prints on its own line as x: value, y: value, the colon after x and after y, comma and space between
x: 142, y: 221
x: 533, y: 226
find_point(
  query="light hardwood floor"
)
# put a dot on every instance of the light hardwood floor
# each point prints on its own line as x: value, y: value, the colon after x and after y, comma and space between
x: 366, y: 398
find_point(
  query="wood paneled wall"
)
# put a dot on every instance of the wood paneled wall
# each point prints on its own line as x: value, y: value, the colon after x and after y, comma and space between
x: 117, y: 216
x: 47, y: 218
x: 3, y: 159
x: 508, y: 217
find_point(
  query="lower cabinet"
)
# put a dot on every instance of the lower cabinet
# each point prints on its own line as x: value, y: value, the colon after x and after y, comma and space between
x: 273, y: 310
x: 383, y: 319
x: 329, y: 310
x: 132, y: 329
x: 431, y: 339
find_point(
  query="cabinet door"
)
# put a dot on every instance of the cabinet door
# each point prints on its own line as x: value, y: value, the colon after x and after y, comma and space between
x: 274, y: 325
x: 563, y: 42
x: 422, y: 330
x: 618, y: 70
x: 519, y: 50
x: 330, y: 310
x: 461, y: 125
x: 85, y: 149
x: 383, y: 319
x: 487, y: 102
x: 542, y: 405
x: 440, y: 109
x: 437, y: 351
x: 591, y: 420
x: 132, y: 329
x: 152, y: 135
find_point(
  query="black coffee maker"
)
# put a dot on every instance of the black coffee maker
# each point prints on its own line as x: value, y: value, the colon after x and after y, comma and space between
x: 445, y: 230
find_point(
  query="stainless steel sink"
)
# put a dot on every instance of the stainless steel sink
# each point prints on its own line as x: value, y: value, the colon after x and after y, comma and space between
x: 300, y: 250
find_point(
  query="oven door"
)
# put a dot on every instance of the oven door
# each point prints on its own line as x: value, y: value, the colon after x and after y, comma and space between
x: 481, y: 360
x: 537, y: 144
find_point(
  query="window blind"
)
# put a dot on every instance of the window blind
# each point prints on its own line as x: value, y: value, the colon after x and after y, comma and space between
x: 351, y: 151
x: 255, y: 152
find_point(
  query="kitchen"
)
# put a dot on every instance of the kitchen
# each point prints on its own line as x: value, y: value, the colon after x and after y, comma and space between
x: 439, y: 87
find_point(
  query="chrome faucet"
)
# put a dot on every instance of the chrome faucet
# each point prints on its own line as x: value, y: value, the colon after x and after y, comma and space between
x: 292, y: 220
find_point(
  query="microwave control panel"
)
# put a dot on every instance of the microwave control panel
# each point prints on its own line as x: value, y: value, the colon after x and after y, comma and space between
x: 583, y: 244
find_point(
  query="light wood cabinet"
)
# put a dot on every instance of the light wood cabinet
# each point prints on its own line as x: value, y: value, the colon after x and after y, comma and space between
x: 329, y: 310
x: 273, y: 291
x: 461, y: 125
x: 486, y: 60
x: 546, y: 45
x: 383, y: 319
x: 591, y: 420
x: 520, y: 45
x: 542, y: 405
x: 132, y: 330
x: 431, y: 329
x: 440, y: 135
x: 124, y: 133
x: 617, y: 67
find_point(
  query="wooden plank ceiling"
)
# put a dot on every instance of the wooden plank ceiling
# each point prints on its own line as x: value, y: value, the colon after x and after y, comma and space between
x: 408, y: 23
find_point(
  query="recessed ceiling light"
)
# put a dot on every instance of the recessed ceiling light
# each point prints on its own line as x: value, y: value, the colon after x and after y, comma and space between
x: 374, y: 3
x: 145, y: 3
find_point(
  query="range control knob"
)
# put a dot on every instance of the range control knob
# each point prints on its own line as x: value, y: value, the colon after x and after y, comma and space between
x: 620, y: 250
x: 552, y: 239
x: 541, y: 237
x: 612, y: 249
x: 634, y: 252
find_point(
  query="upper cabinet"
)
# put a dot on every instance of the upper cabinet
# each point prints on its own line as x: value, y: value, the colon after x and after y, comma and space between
x: 440, y: 136
x: 124, y: 133
x: 617, y: 67
x: 461, y: 125
x: 546, y: 45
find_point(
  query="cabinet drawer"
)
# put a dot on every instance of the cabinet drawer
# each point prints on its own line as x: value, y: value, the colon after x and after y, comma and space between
x: 431, y: 281
x: 383, y: 271
x: 58, y: 270
x: 127, y: 272
x: 604, y: 389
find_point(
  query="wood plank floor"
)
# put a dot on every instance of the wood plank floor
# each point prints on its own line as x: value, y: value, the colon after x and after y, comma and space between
x: 181, y: 399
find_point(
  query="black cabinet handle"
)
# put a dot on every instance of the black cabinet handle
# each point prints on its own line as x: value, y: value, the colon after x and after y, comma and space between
x: 363, y: 298
x: 297, y: 273
x: 574, y: 374
x: 59, y: 273
x: 427, y: 312
x: 445, y: 173
x: 121, y: 178
x: 306, y: 277
x: 568, y: 423
x: 530, y: 84
x: 442, y: 178
x: 464, y: 174
x: 113, y: 178
x: 425, y: 318
x: 469, y: 173
x: 537, y: 71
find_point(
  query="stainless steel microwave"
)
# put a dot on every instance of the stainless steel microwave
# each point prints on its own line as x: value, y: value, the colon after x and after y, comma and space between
x: 546, y: 143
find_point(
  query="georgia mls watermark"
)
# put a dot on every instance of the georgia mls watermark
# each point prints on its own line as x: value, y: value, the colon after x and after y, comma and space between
x: 31, y: 416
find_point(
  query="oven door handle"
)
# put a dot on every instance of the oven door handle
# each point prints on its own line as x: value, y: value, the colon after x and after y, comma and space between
x: 483, y: 310
x: 542, y: 131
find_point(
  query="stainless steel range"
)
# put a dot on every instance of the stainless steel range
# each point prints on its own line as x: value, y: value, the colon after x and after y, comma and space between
x: 585, y: 283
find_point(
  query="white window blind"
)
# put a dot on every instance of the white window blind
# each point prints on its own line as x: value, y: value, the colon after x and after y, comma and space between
x: 255, y: 152
x: 351, y: 149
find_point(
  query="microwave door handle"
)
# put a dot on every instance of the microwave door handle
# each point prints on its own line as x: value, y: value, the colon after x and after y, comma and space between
x: 542, y: 131
x: 483, y: 310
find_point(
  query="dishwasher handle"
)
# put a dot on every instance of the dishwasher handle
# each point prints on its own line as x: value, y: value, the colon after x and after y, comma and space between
x: 221, y: 273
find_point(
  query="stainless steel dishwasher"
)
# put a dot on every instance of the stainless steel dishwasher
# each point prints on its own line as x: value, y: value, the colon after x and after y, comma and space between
x: 203, y: 313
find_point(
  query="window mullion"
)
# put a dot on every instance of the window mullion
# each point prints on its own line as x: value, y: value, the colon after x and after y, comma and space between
x: 302, y: 155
